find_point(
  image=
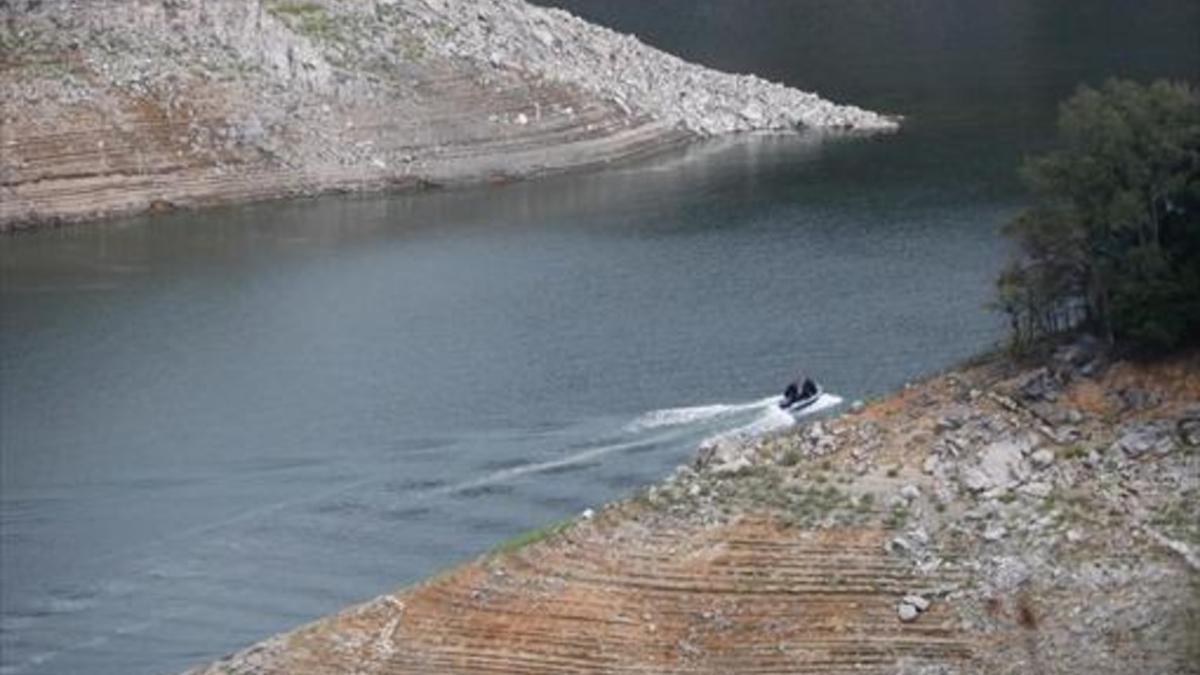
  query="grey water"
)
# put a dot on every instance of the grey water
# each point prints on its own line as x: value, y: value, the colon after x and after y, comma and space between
x: 218, y: 425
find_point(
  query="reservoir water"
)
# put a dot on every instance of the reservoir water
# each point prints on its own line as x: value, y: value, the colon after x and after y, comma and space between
x: 215, y: 426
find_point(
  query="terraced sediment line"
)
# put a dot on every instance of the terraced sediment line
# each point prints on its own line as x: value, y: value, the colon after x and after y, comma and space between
x: 617, y: 595
x: 990, y: 520
x: 118, y: 106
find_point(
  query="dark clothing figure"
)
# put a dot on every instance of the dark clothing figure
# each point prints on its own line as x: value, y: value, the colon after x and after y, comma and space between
x: 802, y: 388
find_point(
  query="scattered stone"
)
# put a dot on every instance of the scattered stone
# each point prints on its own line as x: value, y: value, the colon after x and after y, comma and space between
x: 1038, y: 489
x: 1082, y: 354
x: 916, y: 601
x: 930, y: 464
x: 734, y: 466
x: 1189, y: 431
x: 920, y: 536
x: 976, y: 480
x: 948, y: 423
x: 1001, y: 461
x: 1138, y: 439
x: 1038, y: 385
x: 907, y: 612
x: 1131, y: 399
x: 995, y: 533
x: 1042, y: 459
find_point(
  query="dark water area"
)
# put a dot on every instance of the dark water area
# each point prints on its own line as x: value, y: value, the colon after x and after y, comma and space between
x: 218, y: 425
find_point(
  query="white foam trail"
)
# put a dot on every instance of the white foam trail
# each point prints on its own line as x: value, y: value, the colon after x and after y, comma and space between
x: 671, y: 417
x: 773, y: 418
x: 537, y: 467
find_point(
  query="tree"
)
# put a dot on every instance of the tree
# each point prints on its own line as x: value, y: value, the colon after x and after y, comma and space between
x: 1112, y: 241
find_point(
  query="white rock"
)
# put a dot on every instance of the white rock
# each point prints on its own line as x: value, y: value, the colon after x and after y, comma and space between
x: 910, y: 492
x: 907, y: 612
x: 1039, y: 489
x: 734, y: 465
x: 995, y: 533
x: 919, y: 535
x: 1009, y: 573
x: 929, y: 466
x: 916, y: 601
x: 1042, y: 458
x: 587, y: 514
x: 976, y: 480
x: 1002, y: 460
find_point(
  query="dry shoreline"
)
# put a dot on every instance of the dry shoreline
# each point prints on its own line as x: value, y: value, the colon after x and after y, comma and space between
x: 116, y: 107
x: 995, y: 518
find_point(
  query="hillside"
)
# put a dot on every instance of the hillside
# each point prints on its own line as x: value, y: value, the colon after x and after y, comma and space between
x: 994, y: 519
x: 120, y: 106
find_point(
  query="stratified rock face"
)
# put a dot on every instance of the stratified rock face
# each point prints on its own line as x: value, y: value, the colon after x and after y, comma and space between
x: 563, y: 48
x: 828, y: 548
x: 115, y: 106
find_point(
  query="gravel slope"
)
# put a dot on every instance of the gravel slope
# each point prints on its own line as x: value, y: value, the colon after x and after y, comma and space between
x: 996, y: 519
x: 119, y: 106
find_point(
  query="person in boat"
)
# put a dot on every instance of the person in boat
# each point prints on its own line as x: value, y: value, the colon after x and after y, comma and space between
x: 801, y: 388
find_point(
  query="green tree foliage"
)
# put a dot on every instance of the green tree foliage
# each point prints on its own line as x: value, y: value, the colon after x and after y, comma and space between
x: 1112, y: 241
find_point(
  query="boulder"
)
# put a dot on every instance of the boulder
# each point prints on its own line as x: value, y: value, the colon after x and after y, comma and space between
x: 1001, y: 461
x: 1138, y: 439
x: 1039, y: 490
x: 1189, y: 431
x: 1038, y: 385
x: 976, y: 480
x: 1042, y: 459
x: 917, y: 601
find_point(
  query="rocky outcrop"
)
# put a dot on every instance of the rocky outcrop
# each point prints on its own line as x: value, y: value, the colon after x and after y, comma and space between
x: 118, y: 106
x: 958, y: 526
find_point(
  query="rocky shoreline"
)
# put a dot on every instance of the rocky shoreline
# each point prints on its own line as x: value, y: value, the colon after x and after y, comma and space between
x: 115, y: 107
x: 997, y: 518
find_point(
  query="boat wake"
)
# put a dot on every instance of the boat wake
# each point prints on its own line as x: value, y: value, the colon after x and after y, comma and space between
x: 765, y: 417
x: 772, y: 418
x: 672, y: 417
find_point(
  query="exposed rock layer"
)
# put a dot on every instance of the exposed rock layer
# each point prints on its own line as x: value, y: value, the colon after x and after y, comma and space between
x: 117, y: 106
x: 853, y: 545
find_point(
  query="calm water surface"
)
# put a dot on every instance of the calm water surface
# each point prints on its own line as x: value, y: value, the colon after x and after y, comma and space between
x: 216, y: 426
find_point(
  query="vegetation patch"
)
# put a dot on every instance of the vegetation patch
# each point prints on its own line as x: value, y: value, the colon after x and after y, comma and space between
x: 308, y: 18
x: 528, y: 537
x: 1180, y: 517
x: 1112, y: 242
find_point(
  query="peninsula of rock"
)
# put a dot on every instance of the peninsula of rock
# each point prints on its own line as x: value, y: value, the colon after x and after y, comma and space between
x: 121, y: 106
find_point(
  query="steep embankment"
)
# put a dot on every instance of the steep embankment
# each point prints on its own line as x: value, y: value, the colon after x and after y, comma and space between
x: 117, y: 106
x: 991, y: 520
